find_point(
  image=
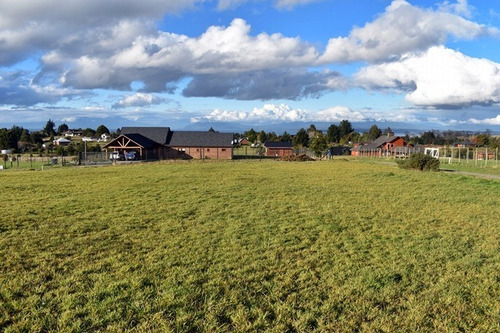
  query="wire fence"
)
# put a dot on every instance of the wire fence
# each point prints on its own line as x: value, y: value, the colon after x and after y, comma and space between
x: 486, y: 157
x: 37, y: 162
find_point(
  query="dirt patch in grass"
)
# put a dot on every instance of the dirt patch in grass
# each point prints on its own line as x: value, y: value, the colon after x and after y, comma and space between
x: 297, y: 158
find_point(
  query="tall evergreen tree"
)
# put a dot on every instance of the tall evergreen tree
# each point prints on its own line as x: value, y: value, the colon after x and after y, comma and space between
x: 374, y: 132
x: 101, y: 129
x: 285, y: 137
x: 319, y: 144
x: 333, y: 133
x: 345, y: 128
x: 301, y: 139
x: 49, y: 128
x: 62, y: 128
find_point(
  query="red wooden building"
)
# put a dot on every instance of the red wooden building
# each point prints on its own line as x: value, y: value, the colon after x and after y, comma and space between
x: 278, y: 148
x: 163, y: 143
x: 385, y: 145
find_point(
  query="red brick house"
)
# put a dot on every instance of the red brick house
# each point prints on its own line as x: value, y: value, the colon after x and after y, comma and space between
x: 390, y: 145
x: 278, y: 148
x: 163, y: 143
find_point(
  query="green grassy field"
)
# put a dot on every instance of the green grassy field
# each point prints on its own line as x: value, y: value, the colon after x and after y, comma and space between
x: 338, y: 245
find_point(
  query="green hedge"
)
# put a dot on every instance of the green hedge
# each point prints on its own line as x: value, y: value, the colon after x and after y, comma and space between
x: 420, y: 162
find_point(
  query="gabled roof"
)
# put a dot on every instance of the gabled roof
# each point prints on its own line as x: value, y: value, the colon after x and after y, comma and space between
x: 157, y: 134
x: 385, y: 139
x: 141, y: 140
x: 367, y: 147
x: 380, y: 141
x: 278, y: 144
x: 138, y: 139
x: 199, y: 139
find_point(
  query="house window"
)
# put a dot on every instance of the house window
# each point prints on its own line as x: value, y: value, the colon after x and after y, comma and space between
x: 208, y: 149
x: 223, y: 149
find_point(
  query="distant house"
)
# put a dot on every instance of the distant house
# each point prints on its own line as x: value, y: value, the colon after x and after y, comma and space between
x: 163, y: 143
x: 278, y: 148
x: 485, y: 155
x: 387, y: 145
x: 105, y: 137
x: 72, y: 133
x: 62, y: 142
x: 464, y: 144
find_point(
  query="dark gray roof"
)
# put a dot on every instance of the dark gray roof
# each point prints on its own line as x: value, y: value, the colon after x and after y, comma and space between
x: 384, y: 138
x: 157, y: 134
x: 278, y: 144
x: 137, y: 138
x: 199, y: 139
x: 367, y: 147
x: 141, y: 140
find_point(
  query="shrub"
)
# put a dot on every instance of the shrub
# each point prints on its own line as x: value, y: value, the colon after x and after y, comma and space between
x: 420, y: 162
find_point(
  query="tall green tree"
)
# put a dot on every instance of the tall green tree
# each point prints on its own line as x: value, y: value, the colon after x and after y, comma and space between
x: 25, y: 136
x: 262, y: 137
x: 428, y: 137
x: 62, y: 128
x: 4, y: 138
x: 36, y: 138
x: 271, y: 136
x: 49, y: 128
x: 285, y: 137
x: 374, y: 133
x: 301, y: 139
x: 101, y: 129
x: 89, y: 132
x: 483, y: 139
x: 345, y: 128
x: 251, y: 135
x: 319, y: 144
x: 333, y: 133
x: 494, y: 142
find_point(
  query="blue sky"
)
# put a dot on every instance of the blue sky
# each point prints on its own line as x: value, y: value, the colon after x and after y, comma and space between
x: 235, y: 64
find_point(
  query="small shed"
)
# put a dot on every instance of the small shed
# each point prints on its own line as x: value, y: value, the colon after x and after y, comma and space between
x: 278, y: 148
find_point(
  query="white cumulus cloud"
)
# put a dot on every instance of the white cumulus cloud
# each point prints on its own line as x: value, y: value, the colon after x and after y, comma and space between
x: 221, y: 53
x: 488, y: 121
x: 402, y: 28
x: 278, y: 113
x: 267, y: 113
x: 138, y: 100
x: 439, y: 77
x: 337, y: 114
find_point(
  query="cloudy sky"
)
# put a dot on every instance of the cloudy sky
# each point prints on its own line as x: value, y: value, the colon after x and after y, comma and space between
x: 236, y: 64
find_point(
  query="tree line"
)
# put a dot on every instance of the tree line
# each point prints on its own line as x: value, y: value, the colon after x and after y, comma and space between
x: 22, y: 140
x: 343, y: 133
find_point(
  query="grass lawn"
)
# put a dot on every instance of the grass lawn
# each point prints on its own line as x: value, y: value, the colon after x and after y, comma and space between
x: 491, y: 169
x: 337, y: 245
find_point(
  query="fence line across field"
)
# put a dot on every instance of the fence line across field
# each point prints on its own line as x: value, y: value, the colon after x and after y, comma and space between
x: 449, y: 155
